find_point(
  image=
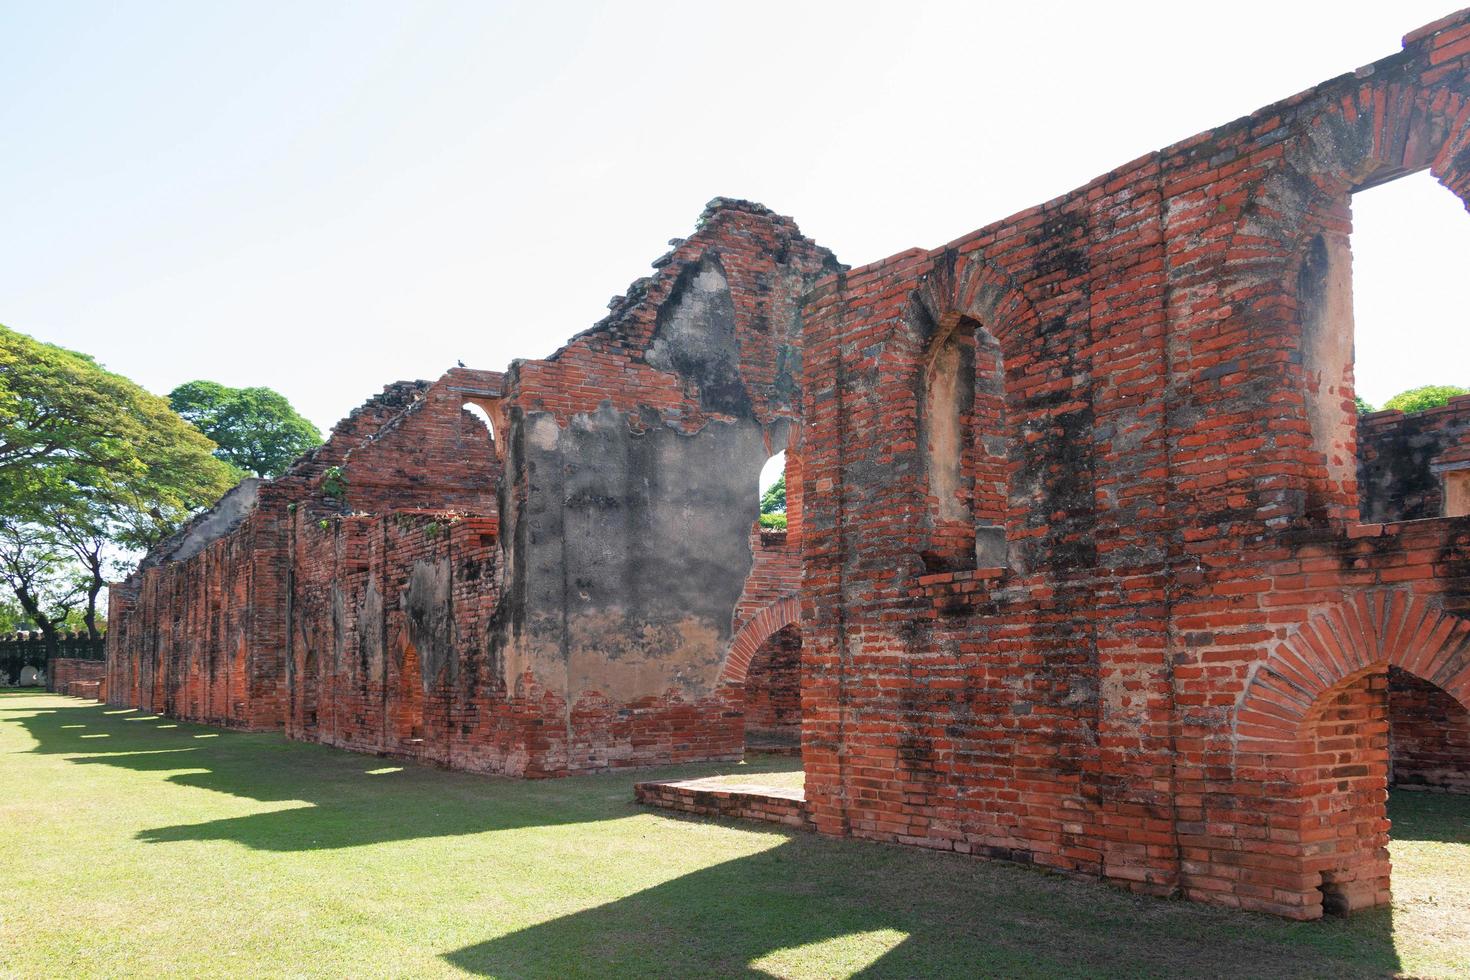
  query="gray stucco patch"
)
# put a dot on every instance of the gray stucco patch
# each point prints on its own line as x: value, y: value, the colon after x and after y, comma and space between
x: 634, y: 554
x: 430, y: 624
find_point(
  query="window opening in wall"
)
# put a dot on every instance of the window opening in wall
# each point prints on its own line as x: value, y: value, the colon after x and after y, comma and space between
x: 966, y: 448
x: 479, y: 412
x: 1455, y: 480
x: 1381, y: 317
x: 773, y: 494
x: 1409, y: 243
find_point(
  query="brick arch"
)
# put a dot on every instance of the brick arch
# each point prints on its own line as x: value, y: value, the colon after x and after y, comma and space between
x: 759, y: 628
x: 1386, y: 130
x: 1383, y: 131
x: 967, y: 285
x: 964, y: 295
x: 1339, y: 645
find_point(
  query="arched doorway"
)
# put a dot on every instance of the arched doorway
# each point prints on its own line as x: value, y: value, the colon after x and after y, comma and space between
x: 773, y: 694
x: 1315, y: 747
x: 765, y: 663
x: 1428, y: 736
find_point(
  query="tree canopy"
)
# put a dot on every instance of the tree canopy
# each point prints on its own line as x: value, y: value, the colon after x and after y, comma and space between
x: 773, y: 501
x: 773, y: 506
x: 12, y: 617
x: 1424, y: 397
x: 88, y: 460
x: 256, y: 429
x: 69, y: 426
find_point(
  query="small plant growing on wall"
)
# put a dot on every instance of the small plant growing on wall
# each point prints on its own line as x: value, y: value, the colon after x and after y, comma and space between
x: 324, y: 524
x: 432, y: 530
x: 334, y: 483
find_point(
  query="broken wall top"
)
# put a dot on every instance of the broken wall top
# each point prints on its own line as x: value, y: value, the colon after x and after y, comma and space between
x: 410, y: 446
x: 1443, y: 46
x: 740, y: 276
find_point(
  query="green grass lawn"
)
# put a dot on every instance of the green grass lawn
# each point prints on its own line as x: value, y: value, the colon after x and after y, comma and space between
x: 131, y: 845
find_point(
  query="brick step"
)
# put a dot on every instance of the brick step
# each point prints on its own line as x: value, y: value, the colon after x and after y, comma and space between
x: 713, y: 798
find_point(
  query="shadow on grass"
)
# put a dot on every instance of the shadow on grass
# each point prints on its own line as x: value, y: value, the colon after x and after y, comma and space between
x: 838, y: 908
x: 343, y: 799
x: 1418, y: 815
x: 807, y: 905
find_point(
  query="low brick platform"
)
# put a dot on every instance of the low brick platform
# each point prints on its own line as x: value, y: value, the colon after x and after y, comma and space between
x: 716, y: 797
x: 91, y: 690
x: 78, y: 678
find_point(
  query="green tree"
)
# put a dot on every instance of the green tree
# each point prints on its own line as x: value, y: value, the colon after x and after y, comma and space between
x: 256, y: 429
x: 773, y: 506
x: 87, y: 528
x: 1424, y: 397
x: 88, y: 461
x: 34, y: 566
x: 66, y: 422
x: 773, y: 501
x: 12, y: 617
x: 1364, y: 408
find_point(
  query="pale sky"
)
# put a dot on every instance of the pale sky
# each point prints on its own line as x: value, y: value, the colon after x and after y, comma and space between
x: 325, y: 197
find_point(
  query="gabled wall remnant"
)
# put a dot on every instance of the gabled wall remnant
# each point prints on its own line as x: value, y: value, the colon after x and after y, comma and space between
x: 631, y: 494
x: 221, y: 622
x: 392, y: 593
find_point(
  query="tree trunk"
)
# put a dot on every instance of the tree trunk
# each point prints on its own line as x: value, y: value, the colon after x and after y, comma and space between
x: 90, y: 616
x: 32, y: 609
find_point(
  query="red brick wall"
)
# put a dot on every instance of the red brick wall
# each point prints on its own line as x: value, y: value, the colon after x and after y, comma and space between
x: 387, y: 641
x: 1344, y: 754
x: 1184, y: 576
x: 361, y: 424
x: 204, y: 637
x: 352, y: 608
x: 200, y: 638
x: 1396, y: 457
x: 434, y: 454
x: 775, y: 573
x: 1429, y: 735
x: 1167, y: 670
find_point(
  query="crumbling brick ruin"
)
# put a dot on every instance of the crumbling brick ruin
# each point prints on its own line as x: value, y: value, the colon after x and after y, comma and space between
x: 271, y: 602
x: 580, y: 588
x: 1090, y: 564
x: 1086, y: 582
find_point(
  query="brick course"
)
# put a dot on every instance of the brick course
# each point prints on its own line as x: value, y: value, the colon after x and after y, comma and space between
x: 709, y: 798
